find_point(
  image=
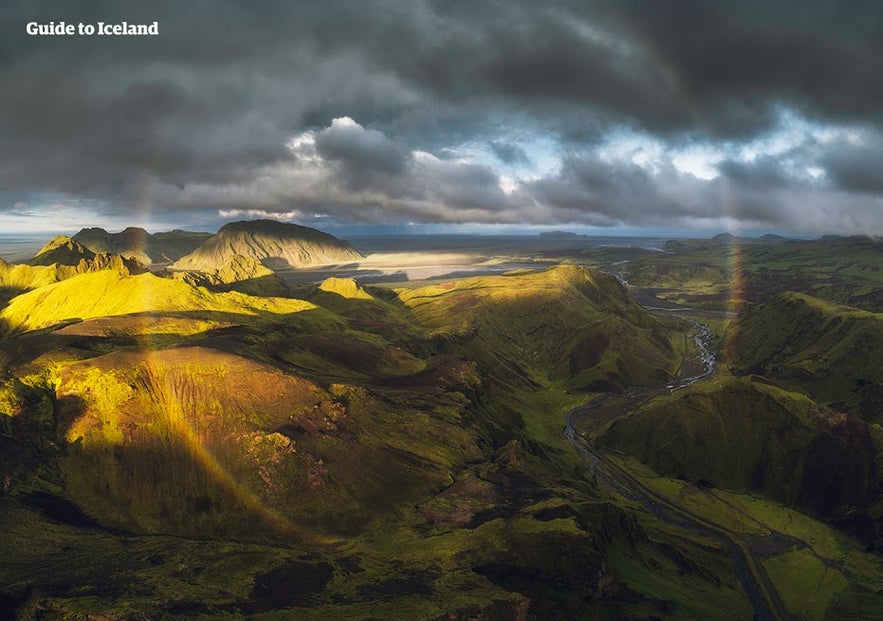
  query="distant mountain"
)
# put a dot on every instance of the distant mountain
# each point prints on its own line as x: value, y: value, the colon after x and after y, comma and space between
x: 61, y: 250
x: 559, y: 235
x: 725, y: 238
x: 274, y: 244
x: 138, y: 244
x: 771, y: 238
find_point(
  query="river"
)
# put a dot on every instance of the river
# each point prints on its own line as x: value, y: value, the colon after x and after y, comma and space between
x: 604, y: 409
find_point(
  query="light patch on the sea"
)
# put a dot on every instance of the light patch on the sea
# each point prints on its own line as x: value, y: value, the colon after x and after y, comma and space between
x: 51, y: 213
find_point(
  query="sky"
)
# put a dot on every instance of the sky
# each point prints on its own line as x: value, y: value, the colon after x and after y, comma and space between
x: 447, y: 115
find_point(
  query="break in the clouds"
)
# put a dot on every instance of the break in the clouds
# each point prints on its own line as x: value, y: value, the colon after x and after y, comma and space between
x: 648, y: 114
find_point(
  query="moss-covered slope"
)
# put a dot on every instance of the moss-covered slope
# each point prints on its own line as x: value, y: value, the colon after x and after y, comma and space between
x: 109, y: 293
x: 833, y: 353
x: 746, y: 434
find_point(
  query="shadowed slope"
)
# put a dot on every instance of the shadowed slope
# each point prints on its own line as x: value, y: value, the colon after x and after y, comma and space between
x: 243, y: 274
x: 833, y: 353
x: 62, y: 250
x: 197, y: 441
x: 745, y: 434
x: 138, y: 244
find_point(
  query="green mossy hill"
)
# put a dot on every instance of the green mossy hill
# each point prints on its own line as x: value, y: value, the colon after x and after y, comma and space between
x: 276, y: 244
x: 241, y: 268
x: 113, y: 262
x: 64, y: 252
x: 18, y: 278
x: 61, y: 250
x: 711, y: 273
x: 136, y: 243
x: 109, y: 293
x: 346, y: 288
x: 242, y: 274
x: 348, y: 354
x: 195, y: 441
x: 568, y: 322
x: 376, y: 310
x: 833, y: 353
x: 746, y: 434
x: 27, y: 431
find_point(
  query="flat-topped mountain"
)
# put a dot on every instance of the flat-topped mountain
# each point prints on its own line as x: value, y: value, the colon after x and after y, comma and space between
x: 272, y: 243
x: 136, y: 243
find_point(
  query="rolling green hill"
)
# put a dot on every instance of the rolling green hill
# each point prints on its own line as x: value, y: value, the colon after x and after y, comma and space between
x: 18, y: 278
x: 591, y: 333
x: 409, y: 441
x: 719, y: 272
x: 746, y: 434
x: 109, y: 293
x: 832, y: 353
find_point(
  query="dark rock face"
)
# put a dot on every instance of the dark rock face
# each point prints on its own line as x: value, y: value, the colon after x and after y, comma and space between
x: 136, y: 243
x: 840, y: 471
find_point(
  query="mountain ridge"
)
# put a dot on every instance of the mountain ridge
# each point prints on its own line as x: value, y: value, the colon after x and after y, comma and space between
x: 135, y: 242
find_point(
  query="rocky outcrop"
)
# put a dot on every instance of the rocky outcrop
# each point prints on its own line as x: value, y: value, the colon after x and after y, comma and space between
x: 62, y: 250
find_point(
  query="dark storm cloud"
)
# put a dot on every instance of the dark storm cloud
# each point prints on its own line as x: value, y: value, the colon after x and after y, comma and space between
x: 361, y: 152
x: 767, y: 173
x: 199, y: 117
x: 509, y: 153
x: 732, y: 60
x: 612, y: 192
x: 857, y: 167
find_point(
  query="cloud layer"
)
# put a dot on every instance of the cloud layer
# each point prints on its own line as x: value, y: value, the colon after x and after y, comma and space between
x: 649, y: 113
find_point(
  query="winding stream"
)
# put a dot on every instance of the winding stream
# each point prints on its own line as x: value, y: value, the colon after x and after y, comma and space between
x: 748, y: 569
